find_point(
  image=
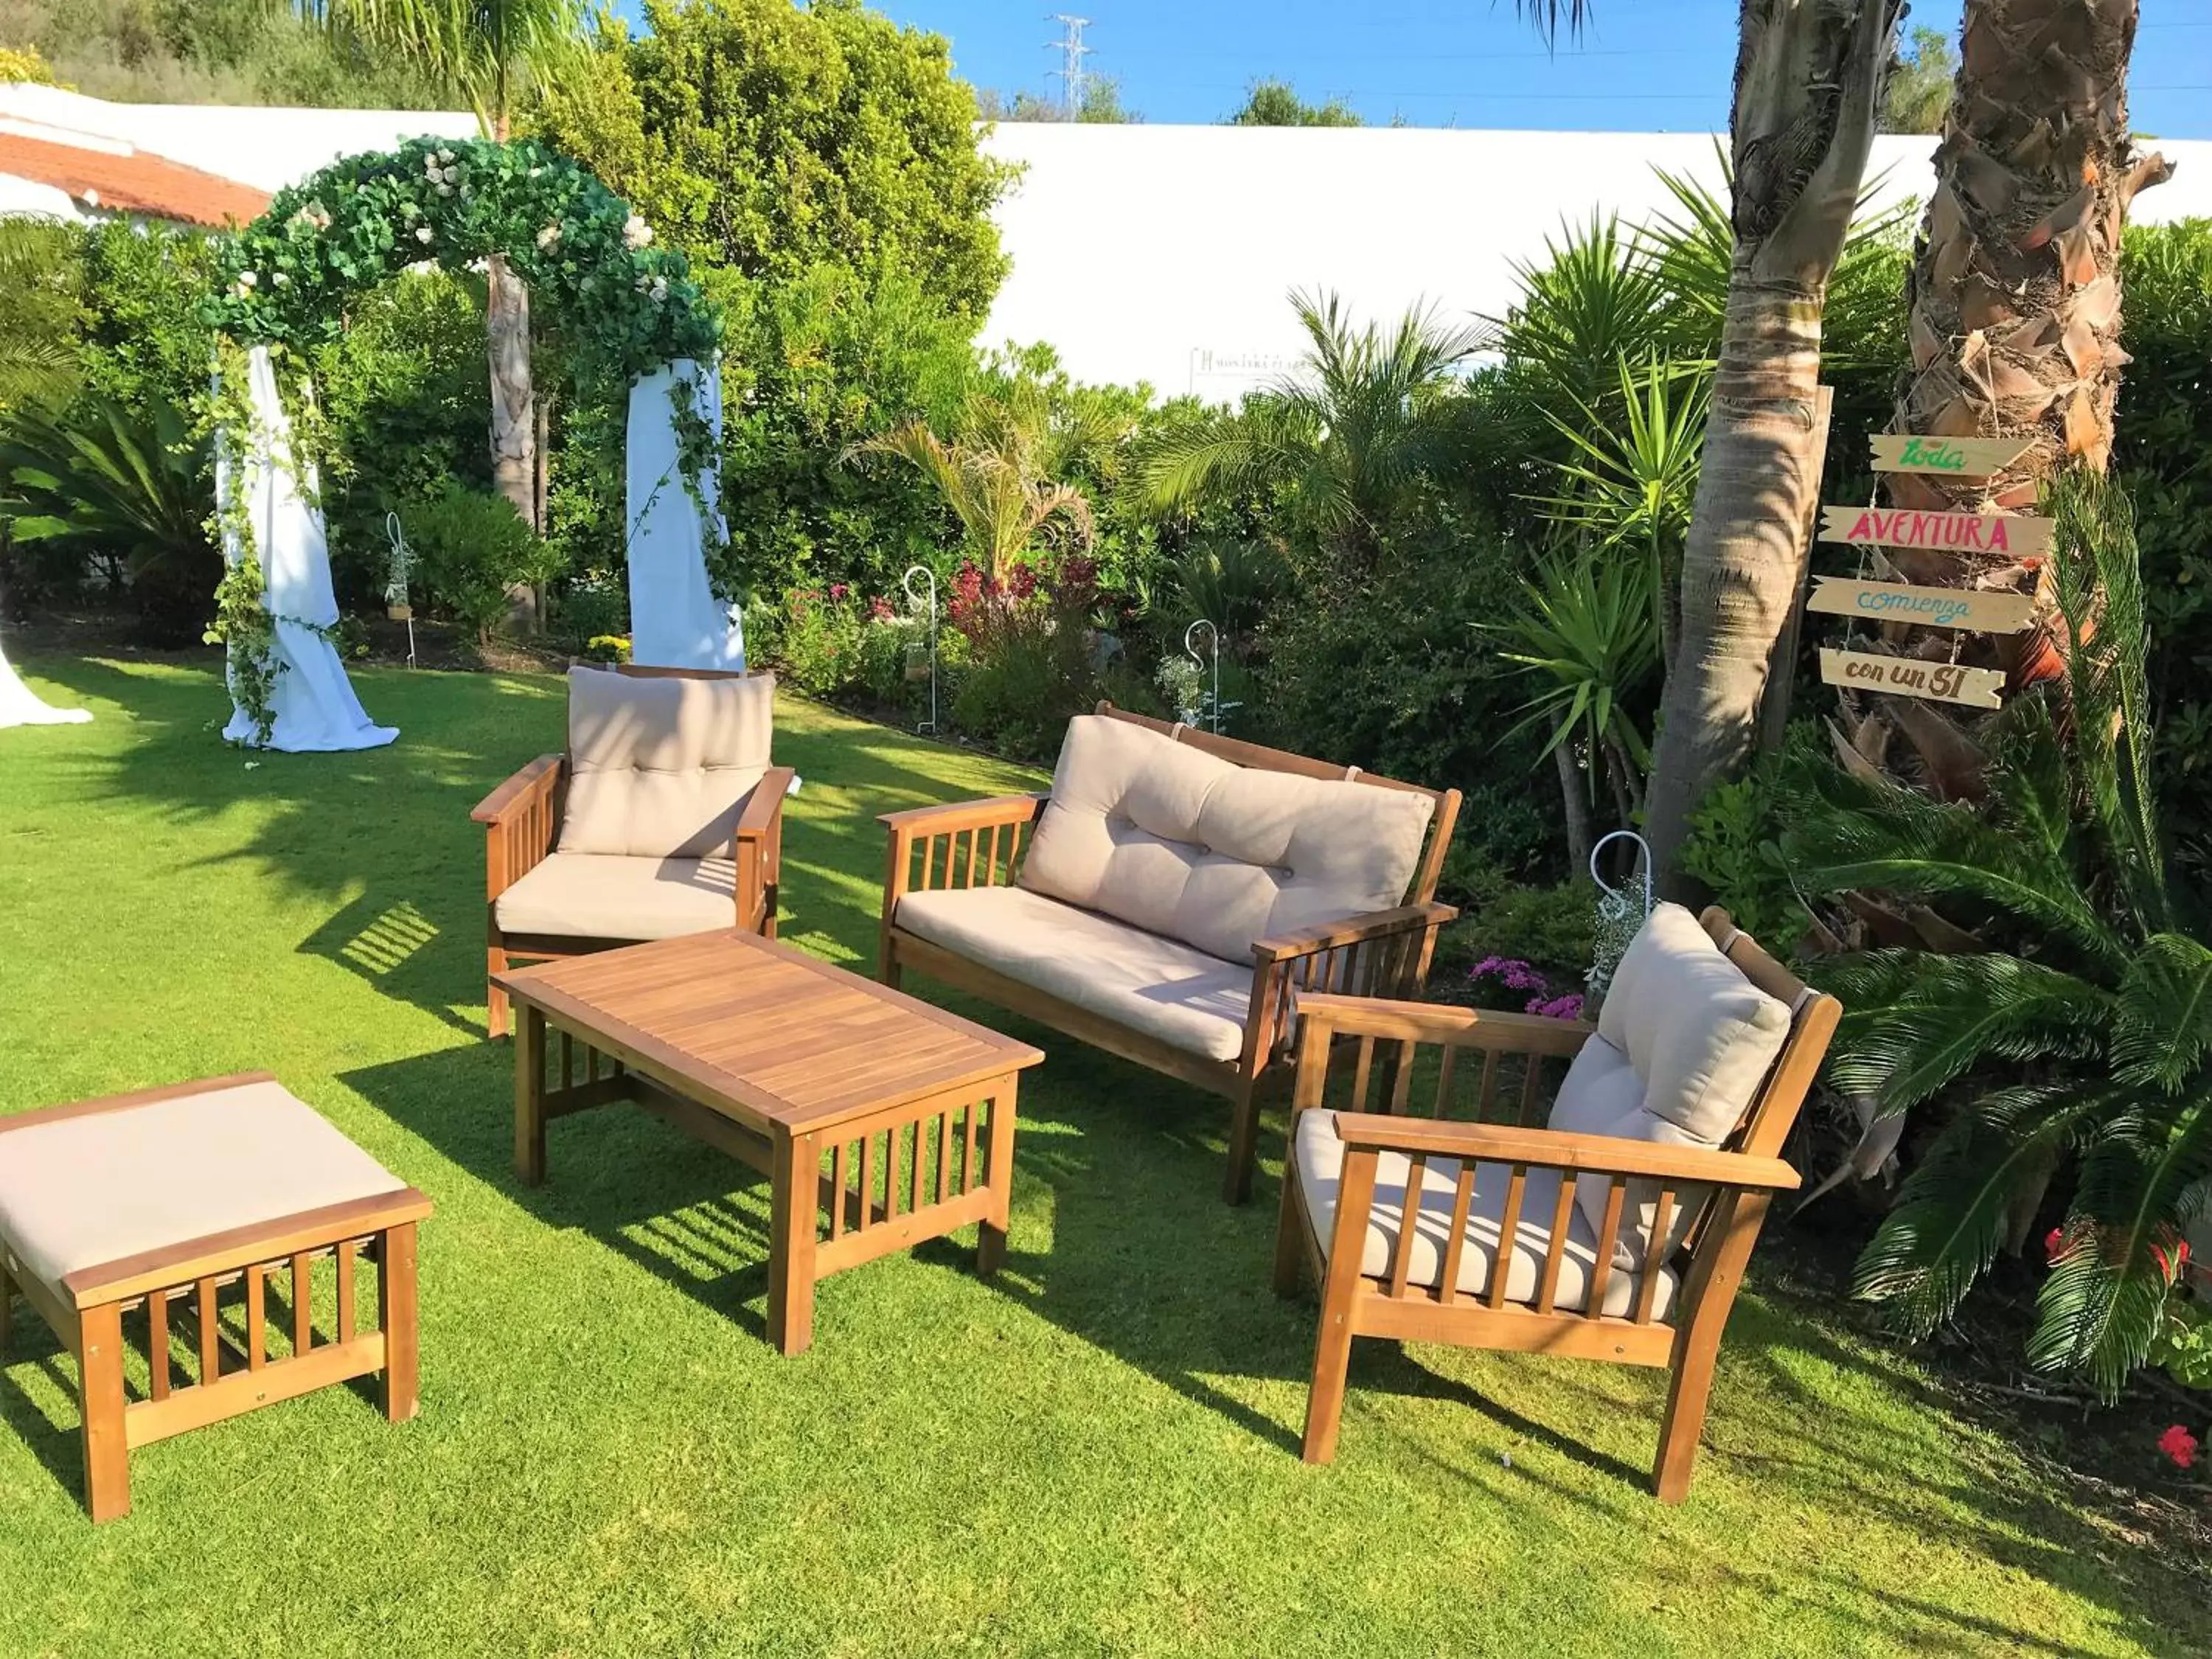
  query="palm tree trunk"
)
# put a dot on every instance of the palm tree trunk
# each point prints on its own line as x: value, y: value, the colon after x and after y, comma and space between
x: 1808, y: 82
x: 1575, y: 805
x: 513, y: 422
x: 2015, y: 294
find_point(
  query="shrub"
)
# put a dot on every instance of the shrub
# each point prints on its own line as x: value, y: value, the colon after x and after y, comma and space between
x: 1033, y: 660
x: 1735, y: 849
x: 817, y: 643
x: 473, y: 547
x: 1551, y: 929
x: 593, y: 606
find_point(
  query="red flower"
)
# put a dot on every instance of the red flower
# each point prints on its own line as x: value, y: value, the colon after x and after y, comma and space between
x: 2170, y: 1265
x: 2053, y: 1243
x: 2181, y: 1445
x: 838, y: 591
x: 880, y: 609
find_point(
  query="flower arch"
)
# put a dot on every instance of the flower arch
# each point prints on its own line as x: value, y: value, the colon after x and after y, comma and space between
x: 627, y: 308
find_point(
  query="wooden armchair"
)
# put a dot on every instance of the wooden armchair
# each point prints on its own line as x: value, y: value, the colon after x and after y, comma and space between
x: 677, y: 827
x: 1504, y: 1252
x: 1203, y: 997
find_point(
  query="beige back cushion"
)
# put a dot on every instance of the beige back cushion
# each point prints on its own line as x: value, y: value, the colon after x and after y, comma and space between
x: 1176, y: 842
x: 660, y: 766
x: 1683, y: 1043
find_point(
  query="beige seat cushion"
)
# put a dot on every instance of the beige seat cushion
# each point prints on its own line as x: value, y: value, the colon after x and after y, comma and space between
x: 1159, y: 987
x: 661, y: 767
x: 82, y: 1192
x: 1603, y: 1096
x: 1318, y: 1158
x: 589, y: 896
x: 1176, y: 841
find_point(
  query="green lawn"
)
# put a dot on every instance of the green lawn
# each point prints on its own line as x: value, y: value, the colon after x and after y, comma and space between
x: 1096, y: 1454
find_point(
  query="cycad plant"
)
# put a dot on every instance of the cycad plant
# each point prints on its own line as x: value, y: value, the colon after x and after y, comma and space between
x: 2076, y: 1043
x: 1347, y: 438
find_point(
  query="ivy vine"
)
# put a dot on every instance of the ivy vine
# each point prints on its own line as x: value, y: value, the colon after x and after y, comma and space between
x: 625, y: 307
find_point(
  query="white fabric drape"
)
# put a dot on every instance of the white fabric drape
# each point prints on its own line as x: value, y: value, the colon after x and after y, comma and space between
x: 675, y: 620
x: 315, y: 704
x: 21, y: 706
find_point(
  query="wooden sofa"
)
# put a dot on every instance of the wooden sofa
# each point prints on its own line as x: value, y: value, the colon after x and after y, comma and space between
x: 1169, y: 895
x: 664, y: 818
x: 1668, y: 1127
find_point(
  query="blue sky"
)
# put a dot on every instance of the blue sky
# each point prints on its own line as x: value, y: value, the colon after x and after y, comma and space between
x: 1645, y: 65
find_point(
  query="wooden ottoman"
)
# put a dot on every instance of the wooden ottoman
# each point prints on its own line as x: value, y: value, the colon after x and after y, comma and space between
x: 165, y: 1205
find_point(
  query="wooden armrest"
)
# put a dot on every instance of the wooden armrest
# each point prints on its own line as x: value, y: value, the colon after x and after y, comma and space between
x: 1435, y: 1022
x: 765, y: 804
x: 1349, y: 930
x: 508, y: 799
x: 963, y: 815
x: 1554, y: 1149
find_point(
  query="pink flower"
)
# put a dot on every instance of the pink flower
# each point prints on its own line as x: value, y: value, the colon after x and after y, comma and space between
x: 838, y: 590
x: 2053, y: 1243
x: 1568, y: 1007
x: 880, y: 609
x: 2178, y: 1444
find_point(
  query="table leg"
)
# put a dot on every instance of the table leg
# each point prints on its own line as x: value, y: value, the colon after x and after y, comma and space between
x: 999, y: 1180
x: 530, y: 1096
x: 794, y: 1203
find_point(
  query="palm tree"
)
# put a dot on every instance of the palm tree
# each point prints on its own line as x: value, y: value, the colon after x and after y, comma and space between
x: 1347, y: 437
x: 484, y: 51
x: 2015, y: 306
x: 999, y: 474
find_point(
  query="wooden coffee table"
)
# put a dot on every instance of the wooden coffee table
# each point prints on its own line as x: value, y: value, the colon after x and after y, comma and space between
x: 878, y: 1120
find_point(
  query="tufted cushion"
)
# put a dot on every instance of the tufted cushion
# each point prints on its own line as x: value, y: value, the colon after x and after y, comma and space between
x: 1699, y: 1034
x: 1176, y: 842
x: 660, y: 766
x: 1159, y: 987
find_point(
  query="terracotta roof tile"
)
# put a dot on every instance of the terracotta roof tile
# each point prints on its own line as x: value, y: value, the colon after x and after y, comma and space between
x: 136, y: 183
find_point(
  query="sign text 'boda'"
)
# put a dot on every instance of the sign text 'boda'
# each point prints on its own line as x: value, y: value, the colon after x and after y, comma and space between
x: 1909, y: 676
x: 1929, y: 607
x: 1961, y: 458
x: 2014, y: 536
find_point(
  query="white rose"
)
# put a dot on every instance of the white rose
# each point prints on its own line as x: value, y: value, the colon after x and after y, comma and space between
x: 659, y: 290
x: 422, y: 233
x: 280, y: 279
x: 637, y: 232
x: 445, y: 190
x: 246, y: 279
x: 548, y: 236
x: 445, y: 156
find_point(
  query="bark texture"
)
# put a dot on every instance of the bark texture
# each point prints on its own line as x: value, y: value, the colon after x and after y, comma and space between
x: 2015, y: 296
x: 513, y: 422
x: 1808, y: 82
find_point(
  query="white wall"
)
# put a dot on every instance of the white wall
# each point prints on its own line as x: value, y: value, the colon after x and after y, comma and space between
x: 1163, y: 254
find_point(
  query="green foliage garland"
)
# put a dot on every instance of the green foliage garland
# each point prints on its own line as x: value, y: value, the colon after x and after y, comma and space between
x: 623, y: 306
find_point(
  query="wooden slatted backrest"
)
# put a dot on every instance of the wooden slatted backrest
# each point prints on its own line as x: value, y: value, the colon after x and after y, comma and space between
x: 1813, y: 1015
x: 1258, y: 757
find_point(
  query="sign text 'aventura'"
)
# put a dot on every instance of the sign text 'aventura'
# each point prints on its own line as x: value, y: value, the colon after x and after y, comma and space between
x: 2010, y: 536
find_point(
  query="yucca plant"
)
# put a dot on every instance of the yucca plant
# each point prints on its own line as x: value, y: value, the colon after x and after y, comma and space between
x: 2076, y: 1043
x: 1631, y: 481
x: 1589, y: 638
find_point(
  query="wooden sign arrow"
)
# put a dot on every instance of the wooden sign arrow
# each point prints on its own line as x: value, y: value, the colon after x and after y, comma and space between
x: 2012, y: 536
x: 1961, y: 458
x: 1931, y: 607
x: 1909, y: 676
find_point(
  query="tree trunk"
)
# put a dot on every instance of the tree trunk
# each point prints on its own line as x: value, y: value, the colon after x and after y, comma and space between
x: 1577, y: 805
x: 1809, y: 81
x: 2014, y: 293
x: 513, y: 424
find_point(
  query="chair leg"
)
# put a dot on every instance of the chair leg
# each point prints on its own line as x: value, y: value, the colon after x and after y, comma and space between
x: 1289, y: 1240
x: 1332, y: 1361
x: 1243, y: 1141
x: 768, y: 911
x: 495, y: 1013
x: 100, y: 1383
x: 396, y: 1307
